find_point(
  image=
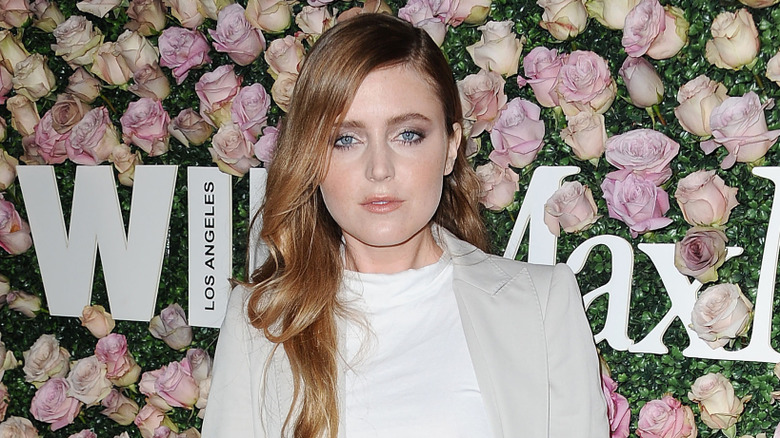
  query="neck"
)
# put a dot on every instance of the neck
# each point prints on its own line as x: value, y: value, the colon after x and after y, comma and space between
x: 419, y: 251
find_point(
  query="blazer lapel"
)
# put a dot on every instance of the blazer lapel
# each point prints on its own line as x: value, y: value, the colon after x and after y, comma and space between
x: 502, y: 321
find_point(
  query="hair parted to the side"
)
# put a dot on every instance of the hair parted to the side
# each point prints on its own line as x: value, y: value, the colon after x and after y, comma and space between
x: 294, y: 298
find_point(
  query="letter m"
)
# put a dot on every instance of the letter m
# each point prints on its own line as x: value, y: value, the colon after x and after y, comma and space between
x: 132, y: 261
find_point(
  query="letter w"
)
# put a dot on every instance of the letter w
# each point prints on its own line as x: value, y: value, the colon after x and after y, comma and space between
x: 132, y: 262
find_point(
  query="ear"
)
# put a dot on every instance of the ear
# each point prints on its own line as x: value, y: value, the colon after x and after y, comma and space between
x: 452, y: 147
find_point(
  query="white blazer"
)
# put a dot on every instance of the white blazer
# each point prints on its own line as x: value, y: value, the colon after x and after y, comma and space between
x: 527, y: 334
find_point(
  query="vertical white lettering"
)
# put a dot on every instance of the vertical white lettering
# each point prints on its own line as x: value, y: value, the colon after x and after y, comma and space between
x: 132, y: 261
x: 542, y: 243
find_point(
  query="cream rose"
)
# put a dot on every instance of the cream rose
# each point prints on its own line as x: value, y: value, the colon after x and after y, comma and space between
x: 498, y: 49
x: 147, y: 17
x: 77, y: 41
x: 136, y: 50
x: 644, y: 85
x: 7, y: 169
x: 187, y: 12
x: 697, y: 98
x: 97, y: 320
x: 33, y: 78
x: 47, y: 15
x: 674, y: 37
x: 720, y: 408
x: 497, y: 186
x: 119, y: 408
x: 14, y: 13
x: 24, y: 114
x: 720, y: 314
x: 189, y: 127
x: 773, y: 68
x: 610, y: 13
x: 98, y: 8
x: 284, y: 55
x: 586, y: 134
x: 231, y: 150
x: 87, y: 381
x: 282, y: 89
x: 18, y: 427
x: 272, y: 16
x: 705, y: 200
x: 564, y: 19
x: 171, y: 326
x: 109, y: 65
x: 12, y: 51
x: 45, y: 359
x: 83, y: 85
x: 216, y: 90
x: 734, y: 42
x: 150, y: 82
x: 571, y: 208
x: 314, y: 21
x: 25, y: 303
x: 482, y: 97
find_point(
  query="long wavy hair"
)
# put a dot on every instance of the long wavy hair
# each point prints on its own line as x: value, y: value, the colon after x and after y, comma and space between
x: 294, y: 298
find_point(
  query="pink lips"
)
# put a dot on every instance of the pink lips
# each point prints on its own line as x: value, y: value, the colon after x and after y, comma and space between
x: 381, y: 204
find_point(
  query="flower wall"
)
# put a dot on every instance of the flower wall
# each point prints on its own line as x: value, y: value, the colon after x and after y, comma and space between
x: 612, y: 86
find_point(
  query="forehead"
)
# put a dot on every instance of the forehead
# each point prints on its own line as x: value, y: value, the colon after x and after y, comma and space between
x: 395, y: 90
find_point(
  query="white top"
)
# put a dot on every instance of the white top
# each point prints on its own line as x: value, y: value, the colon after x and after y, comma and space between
x: 409, y: 371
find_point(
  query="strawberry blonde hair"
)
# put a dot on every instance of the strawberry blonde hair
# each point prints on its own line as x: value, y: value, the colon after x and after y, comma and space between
x: 294, y: 298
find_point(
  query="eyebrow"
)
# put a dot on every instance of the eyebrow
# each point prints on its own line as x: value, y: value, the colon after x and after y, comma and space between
x: 396, y: 120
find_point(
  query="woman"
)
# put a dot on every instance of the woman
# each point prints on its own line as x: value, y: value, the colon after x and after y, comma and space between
x: 377, y: 313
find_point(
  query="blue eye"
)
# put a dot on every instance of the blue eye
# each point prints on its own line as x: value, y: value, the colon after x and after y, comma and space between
x: 344, y: 141
x: 411, y: 137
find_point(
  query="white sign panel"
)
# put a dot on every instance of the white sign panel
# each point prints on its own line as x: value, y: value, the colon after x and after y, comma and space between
x: 210, y: 235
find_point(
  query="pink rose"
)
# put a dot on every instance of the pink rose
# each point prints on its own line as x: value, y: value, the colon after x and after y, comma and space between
x: 704, y: 198
x: 136, y: 50
x: 498, y: 49
x: 284, y: 55
x: 644, y: 85
x: 27, y: 304
x: 171, y: 326
x: 14, y: 231
x: 150, y: 81
x: 97, y: 320
x: 236, y: 37
x: 720, y: 408
x: 147, y: 386
x: 517, y: 134
x: 231, y: 151
x: 700, y: 253
x: 14, y: 13
x: 45, y: 359
x: 610, y: 13
x: 266, y: 145
x: 148, y: 419
x: 429, y: 15
x: 541, y: 66
x: 721, y: 313
x: 216, y: 90
x: 181, y: 50
x: 564, y: 19
x: 147, y: 17
x: 109, y: 65
x: 93, y: 138
x: 145, y: 124
x: 572, y: 208
x: 586, y: 134
x: 618, y: 411
x: 52, y: 405
x: 739, y: 125
x: 176, y: 385
x: 734, y: 42
x: 51, y: 144
x: 125, y: 161
x: 645, y: 152
x: 585, y: 83
x: 189, y: 127
x: 18, y: 427
x: 697, y: 98
x: 642, y: 26
x: 83, y: 85
x: 119, y: 408
x: 482, y: 97
x: 121, y: 368
x: 187, y: 12
x: 250, y: 110
x: 636, y: 201
x: 200, y: 364
x: 666, y: 418
x: 272, y: 16
x: 497, y: 186
x: 674, y: 37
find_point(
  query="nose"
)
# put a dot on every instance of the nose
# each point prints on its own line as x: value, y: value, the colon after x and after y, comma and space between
x: 379, y: 165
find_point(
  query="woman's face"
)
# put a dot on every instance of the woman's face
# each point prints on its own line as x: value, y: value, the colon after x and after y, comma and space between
x: 387, y: 165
